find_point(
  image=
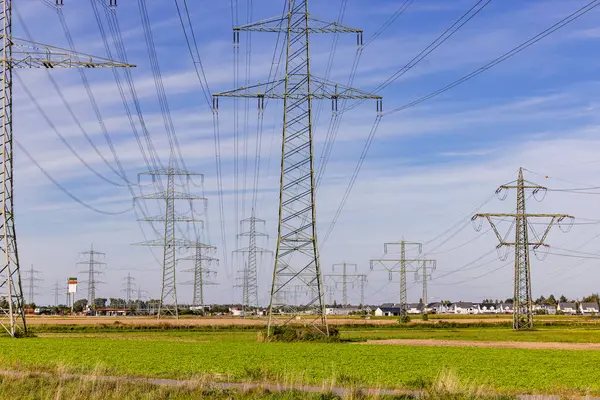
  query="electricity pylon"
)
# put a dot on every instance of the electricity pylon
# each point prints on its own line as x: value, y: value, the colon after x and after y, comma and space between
x: 203, y: 271
x: 129, y: 288
x: 348, y: 279
x: 250, y: 271
x: 424, y: 274
x: 56, y: 290
x: 31, y: 283
x: 20, y: 53
x: 92, y: 262
x: 169, y: 243
x: 297, y: 234
x: 522, y: 306
x: 400, y: 265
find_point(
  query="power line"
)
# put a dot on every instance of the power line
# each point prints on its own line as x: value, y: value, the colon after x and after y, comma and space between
x: 565, y: 21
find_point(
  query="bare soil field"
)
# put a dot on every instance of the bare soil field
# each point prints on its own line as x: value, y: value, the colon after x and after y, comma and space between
x: 80, y: 320
x: 476, y: 343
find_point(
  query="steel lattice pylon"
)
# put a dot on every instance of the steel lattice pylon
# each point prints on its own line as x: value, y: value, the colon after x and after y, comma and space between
x: 250, y: 271
x: 522, y: 305
x: 19, y: 53
x: 401, y: 265
x: 92, y: 261
x: 202, y: 269
x: 297, y: 234
x: 169, y: 242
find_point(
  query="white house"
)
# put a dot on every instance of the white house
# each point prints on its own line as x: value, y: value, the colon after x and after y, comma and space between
x: 545, y: 308
x: 567, y: 308
x: 341, y: 310
x: 387, y: 310
x: 488, y: 308
x: 588, y: 308
x: 438, y: 308
x: 413, y: 308
x: 505, y: 308
x: 464, y: 307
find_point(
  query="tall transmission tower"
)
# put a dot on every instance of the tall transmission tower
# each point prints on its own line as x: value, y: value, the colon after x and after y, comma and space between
x: 56, y: 290
x: 32, y: 278
x: 92, y: 263
x: 400, y: 265
x: 250, y: 271
x: 522, y: 306
x: 297, y: 234
x: 423, y: 274
x: 346, y: 279
x: 129, y: 288
x: 169, y: 242
x: 20, y: 53
x: 202, y: 270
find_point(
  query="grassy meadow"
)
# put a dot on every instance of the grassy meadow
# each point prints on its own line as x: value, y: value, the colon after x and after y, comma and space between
x: 234, y: 355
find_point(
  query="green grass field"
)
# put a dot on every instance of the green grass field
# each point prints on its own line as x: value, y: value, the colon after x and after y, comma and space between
x: 236, y: 355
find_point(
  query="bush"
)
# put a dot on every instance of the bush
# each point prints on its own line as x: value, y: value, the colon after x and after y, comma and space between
x: 425, y: 317
x: 405, y: 319
x: 288, y: 333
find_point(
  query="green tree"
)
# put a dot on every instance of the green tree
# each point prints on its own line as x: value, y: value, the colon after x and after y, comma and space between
x: 563, y: 299
x: 79, y: 305
x: 591, y: 299
x: 551, y: 300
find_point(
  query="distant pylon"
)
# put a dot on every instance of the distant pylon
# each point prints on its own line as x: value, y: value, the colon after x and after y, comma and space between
x: 169, y: 242
x: 92, y: 262
x: 31, y: 283
x: 129, y: 288
x: 27, y: 55
x: 297, y: 231
x: 423, y: 274
x: 522, y: 304
x: 203, y: 269
x: 250, y: 270
x: 346, y: 278
x: 400, y: 265
x: 56, y: 290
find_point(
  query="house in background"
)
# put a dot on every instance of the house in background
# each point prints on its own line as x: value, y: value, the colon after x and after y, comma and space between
x: 488, y: 308
x: 464, y: 307
x: 437, y: 308
x: 588, y: 308
x: 414, y: 308
x: 548, y: 309
x: 387, y: 310
x: 567, y: 308
x: 505, y: 308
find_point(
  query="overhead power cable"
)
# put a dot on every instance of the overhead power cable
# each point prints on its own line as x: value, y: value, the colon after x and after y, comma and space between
x: 570, y: 18
x: 516, y: 50
x: 64, y: 189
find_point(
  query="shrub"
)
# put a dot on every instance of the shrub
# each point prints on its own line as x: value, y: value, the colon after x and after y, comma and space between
x: 425, y: 317
x: 288, y: 333
x: 405, y: 319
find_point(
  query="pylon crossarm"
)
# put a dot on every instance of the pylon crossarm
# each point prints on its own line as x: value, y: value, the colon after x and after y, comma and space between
x: 526, y: 215
x: 28, y: 54
x: 175, y: 196
x: 278, y: 24
x: 321, y: 89
x: 500, y: 238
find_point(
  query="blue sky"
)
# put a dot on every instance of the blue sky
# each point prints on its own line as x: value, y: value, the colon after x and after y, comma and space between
x: 427, y: 169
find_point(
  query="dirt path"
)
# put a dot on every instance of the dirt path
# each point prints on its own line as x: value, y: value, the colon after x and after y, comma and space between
x: 478, y: 343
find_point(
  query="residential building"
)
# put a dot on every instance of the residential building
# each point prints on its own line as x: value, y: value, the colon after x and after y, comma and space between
x: 588, y: 308
x: 567, y: 308
x: 505, y: 308
x: 488, y: 308
x: 464, y: 307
